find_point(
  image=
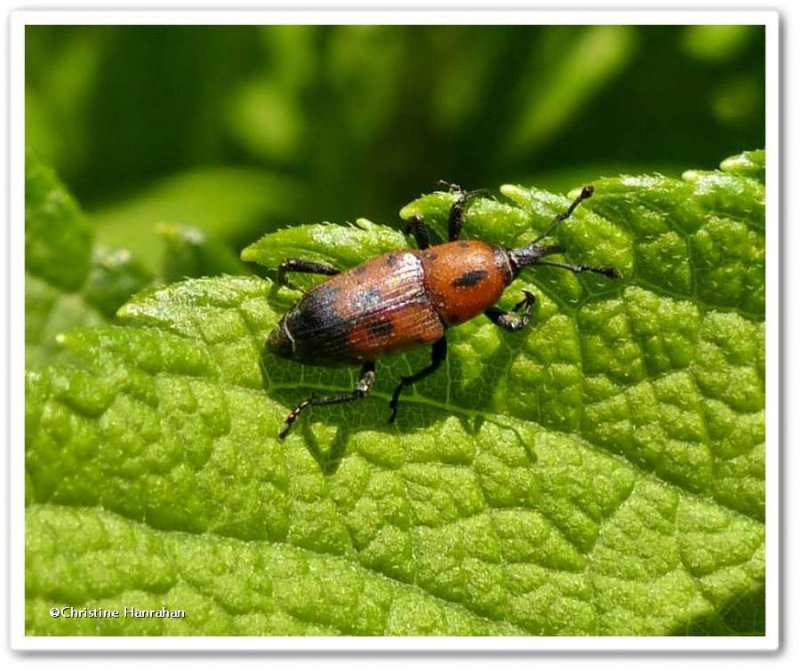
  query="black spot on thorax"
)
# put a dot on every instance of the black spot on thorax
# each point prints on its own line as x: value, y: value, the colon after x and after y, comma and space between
x: 471, y: 278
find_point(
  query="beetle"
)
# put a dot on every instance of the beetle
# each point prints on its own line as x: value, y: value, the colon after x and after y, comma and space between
x: 407, y: 299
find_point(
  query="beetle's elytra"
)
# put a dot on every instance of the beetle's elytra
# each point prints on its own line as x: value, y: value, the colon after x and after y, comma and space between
x: 407, y: 299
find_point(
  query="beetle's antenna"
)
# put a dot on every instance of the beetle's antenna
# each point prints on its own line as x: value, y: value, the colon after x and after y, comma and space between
x: 613, y: 273
x: 532, y: 253
x: 585, y: 194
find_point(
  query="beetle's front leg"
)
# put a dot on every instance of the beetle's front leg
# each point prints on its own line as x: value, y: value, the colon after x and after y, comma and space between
x: 458, y: 210
x: 303, y: 266
x: 416, y: 226
x: 365, y: 382
x: 513, y: 322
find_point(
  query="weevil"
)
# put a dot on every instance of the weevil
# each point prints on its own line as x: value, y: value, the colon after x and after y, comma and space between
x: 407, y: 299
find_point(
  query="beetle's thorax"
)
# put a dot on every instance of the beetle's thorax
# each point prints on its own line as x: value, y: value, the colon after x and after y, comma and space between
x: 464, y: 278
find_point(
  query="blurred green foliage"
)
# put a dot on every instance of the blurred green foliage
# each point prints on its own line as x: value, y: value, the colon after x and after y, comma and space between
x: 244, y: 129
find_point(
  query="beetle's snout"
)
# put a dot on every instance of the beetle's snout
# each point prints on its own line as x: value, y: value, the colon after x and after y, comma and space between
x: 280, y: 341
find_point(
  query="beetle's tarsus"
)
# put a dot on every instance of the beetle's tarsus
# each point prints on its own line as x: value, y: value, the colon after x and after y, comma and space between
x: 529, y: 299
x: 365, y: 382
x: 509, y: 321
x: 303, y: 266
x: 458, y: 209
x: 450, y: 186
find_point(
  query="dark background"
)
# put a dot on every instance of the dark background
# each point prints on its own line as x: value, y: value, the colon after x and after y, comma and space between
x: 244, y: 129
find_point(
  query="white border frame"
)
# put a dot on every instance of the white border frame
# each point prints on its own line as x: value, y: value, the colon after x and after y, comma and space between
x: 20, y: 641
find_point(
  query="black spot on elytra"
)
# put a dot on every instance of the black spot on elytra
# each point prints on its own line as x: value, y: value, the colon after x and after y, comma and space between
x: 320, y: 334
x: 391, y: 260
x: 471, y: 278
x: 381, y: 328
x: 320, y: 300
x: 367, y: 301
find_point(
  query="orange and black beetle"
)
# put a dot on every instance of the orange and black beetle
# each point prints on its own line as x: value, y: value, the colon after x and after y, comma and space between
x: 407, y: 299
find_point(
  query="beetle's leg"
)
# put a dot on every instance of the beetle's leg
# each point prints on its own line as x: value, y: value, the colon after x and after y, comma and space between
x: 438, y: 354
x: 365, y: 382
x: 302, y: 266
x: 416, y: 226
x: 585, y: 194
x: 457, y: 210
x: 507, y: 321
x: 452, y: 188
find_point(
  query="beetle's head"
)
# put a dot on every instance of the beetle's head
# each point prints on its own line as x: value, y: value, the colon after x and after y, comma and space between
x: 280, y: 341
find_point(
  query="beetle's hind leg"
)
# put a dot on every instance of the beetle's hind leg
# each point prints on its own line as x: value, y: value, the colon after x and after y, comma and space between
x: 303, y: 266
x: 365, y: 382
x: 513, y: 322
x: 438, y: 355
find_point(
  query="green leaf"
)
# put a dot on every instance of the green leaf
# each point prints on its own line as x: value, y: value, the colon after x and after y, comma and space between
x: 55, y: 229
x: 115, y: 276
x: 193, y: 252
x: 220, y: 200
x: 89, y: 288
x: 601, y: 473
x: 343, y: 246
x: 68, y: 282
